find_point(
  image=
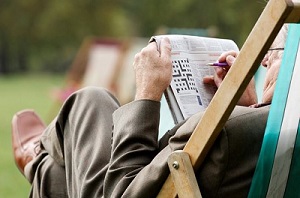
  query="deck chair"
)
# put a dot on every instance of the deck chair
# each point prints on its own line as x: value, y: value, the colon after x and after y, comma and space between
x: 182, y: 181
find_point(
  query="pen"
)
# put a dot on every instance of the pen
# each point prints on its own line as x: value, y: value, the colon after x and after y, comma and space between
x: 223, y: 64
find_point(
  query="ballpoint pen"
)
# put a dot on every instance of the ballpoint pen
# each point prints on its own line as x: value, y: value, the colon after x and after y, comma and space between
x: 222, y: 64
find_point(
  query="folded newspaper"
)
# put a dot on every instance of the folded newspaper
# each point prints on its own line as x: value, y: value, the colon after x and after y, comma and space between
x: 187, y: 94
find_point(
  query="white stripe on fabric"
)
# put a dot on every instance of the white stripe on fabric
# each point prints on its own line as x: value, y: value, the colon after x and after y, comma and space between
x: 287, y: 137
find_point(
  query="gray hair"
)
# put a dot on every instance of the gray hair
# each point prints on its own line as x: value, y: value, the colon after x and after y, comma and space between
x: 281, y: 37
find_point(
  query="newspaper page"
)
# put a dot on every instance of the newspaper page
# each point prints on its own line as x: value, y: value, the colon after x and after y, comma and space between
x: 190, y: 56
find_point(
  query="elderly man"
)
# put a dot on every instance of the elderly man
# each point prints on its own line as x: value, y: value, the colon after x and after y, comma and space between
x: 95, y: 148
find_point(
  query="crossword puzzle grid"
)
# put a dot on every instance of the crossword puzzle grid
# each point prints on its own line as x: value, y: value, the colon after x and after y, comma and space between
x: 182, y: 76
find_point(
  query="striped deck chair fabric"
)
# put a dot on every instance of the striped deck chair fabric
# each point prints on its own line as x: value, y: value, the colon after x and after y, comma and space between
x: 278, y: 169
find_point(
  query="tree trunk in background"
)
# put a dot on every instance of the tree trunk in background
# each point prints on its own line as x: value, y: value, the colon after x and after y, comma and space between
x: 22, y: 57
x: 3, y: 55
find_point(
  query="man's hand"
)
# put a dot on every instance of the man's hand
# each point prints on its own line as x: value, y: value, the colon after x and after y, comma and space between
x: 153, y: 70
x: 249, y: 96
x: 217, y: 79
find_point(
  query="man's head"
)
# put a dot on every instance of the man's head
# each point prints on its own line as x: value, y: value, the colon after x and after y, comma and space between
x: 272, y: 62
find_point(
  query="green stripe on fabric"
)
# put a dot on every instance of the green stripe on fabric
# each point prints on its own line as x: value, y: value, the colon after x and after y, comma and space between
x: 293, y: 189
x: 262, y: 175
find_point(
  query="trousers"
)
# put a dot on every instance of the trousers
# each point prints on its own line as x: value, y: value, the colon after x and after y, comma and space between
x: 68, y: 159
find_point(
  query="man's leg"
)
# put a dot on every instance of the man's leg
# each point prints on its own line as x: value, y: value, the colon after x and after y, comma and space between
x: 49, y: 179
x: 78, y: 145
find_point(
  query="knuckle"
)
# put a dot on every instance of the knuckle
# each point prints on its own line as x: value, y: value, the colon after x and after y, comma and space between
x: 145, y: 51
x: 136, y: 56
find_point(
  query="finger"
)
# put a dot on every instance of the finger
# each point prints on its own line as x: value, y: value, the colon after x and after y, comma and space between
x: 224, y: 55
x: 151, y: 46
x: 209, y: 80
x: 149, y: 51
x: 230, y: 60
x: 165, y: 47
x: 220, y: 70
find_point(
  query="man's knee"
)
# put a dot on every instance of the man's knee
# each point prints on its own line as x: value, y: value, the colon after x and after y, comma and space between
x: 95, y: 95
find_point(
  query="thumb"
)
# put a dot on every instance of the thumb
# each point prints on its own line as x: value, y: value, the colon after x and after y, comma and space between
x: 230, y: 60
x: 165, y: 47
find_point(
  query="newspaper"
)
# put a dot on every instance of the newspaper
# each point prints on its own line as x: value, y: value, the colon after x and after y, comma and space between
x: 187, y: 94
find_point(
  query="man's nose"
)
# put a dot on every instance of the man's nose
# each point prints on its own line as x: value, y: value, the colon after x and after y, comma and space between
x: 264, y: 61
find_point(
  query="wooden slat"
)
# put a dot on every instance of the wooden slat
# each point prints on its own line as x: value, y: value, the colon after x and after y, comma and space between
x: 275, y: 14
x: 183, y: 175
x: 293, y: 17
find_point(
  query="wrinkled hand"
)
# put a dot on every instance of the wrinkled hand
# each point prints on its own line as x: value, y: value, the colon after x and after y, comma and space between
x: 220, y: 72
x: 249, y: 96
x: 153, y: 70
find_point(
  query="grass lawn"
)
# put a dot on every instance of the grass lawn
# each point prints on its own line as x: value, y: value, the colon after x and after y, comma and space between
x: 20, y: 92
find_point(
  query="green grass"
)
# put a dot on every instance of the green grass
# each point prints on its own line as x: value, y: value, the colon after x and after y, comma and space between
x: 20, y: 92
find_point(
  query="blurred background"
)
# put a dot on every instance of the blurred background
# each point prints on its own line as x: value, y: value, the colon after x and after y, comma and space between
x: 48, y: 49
